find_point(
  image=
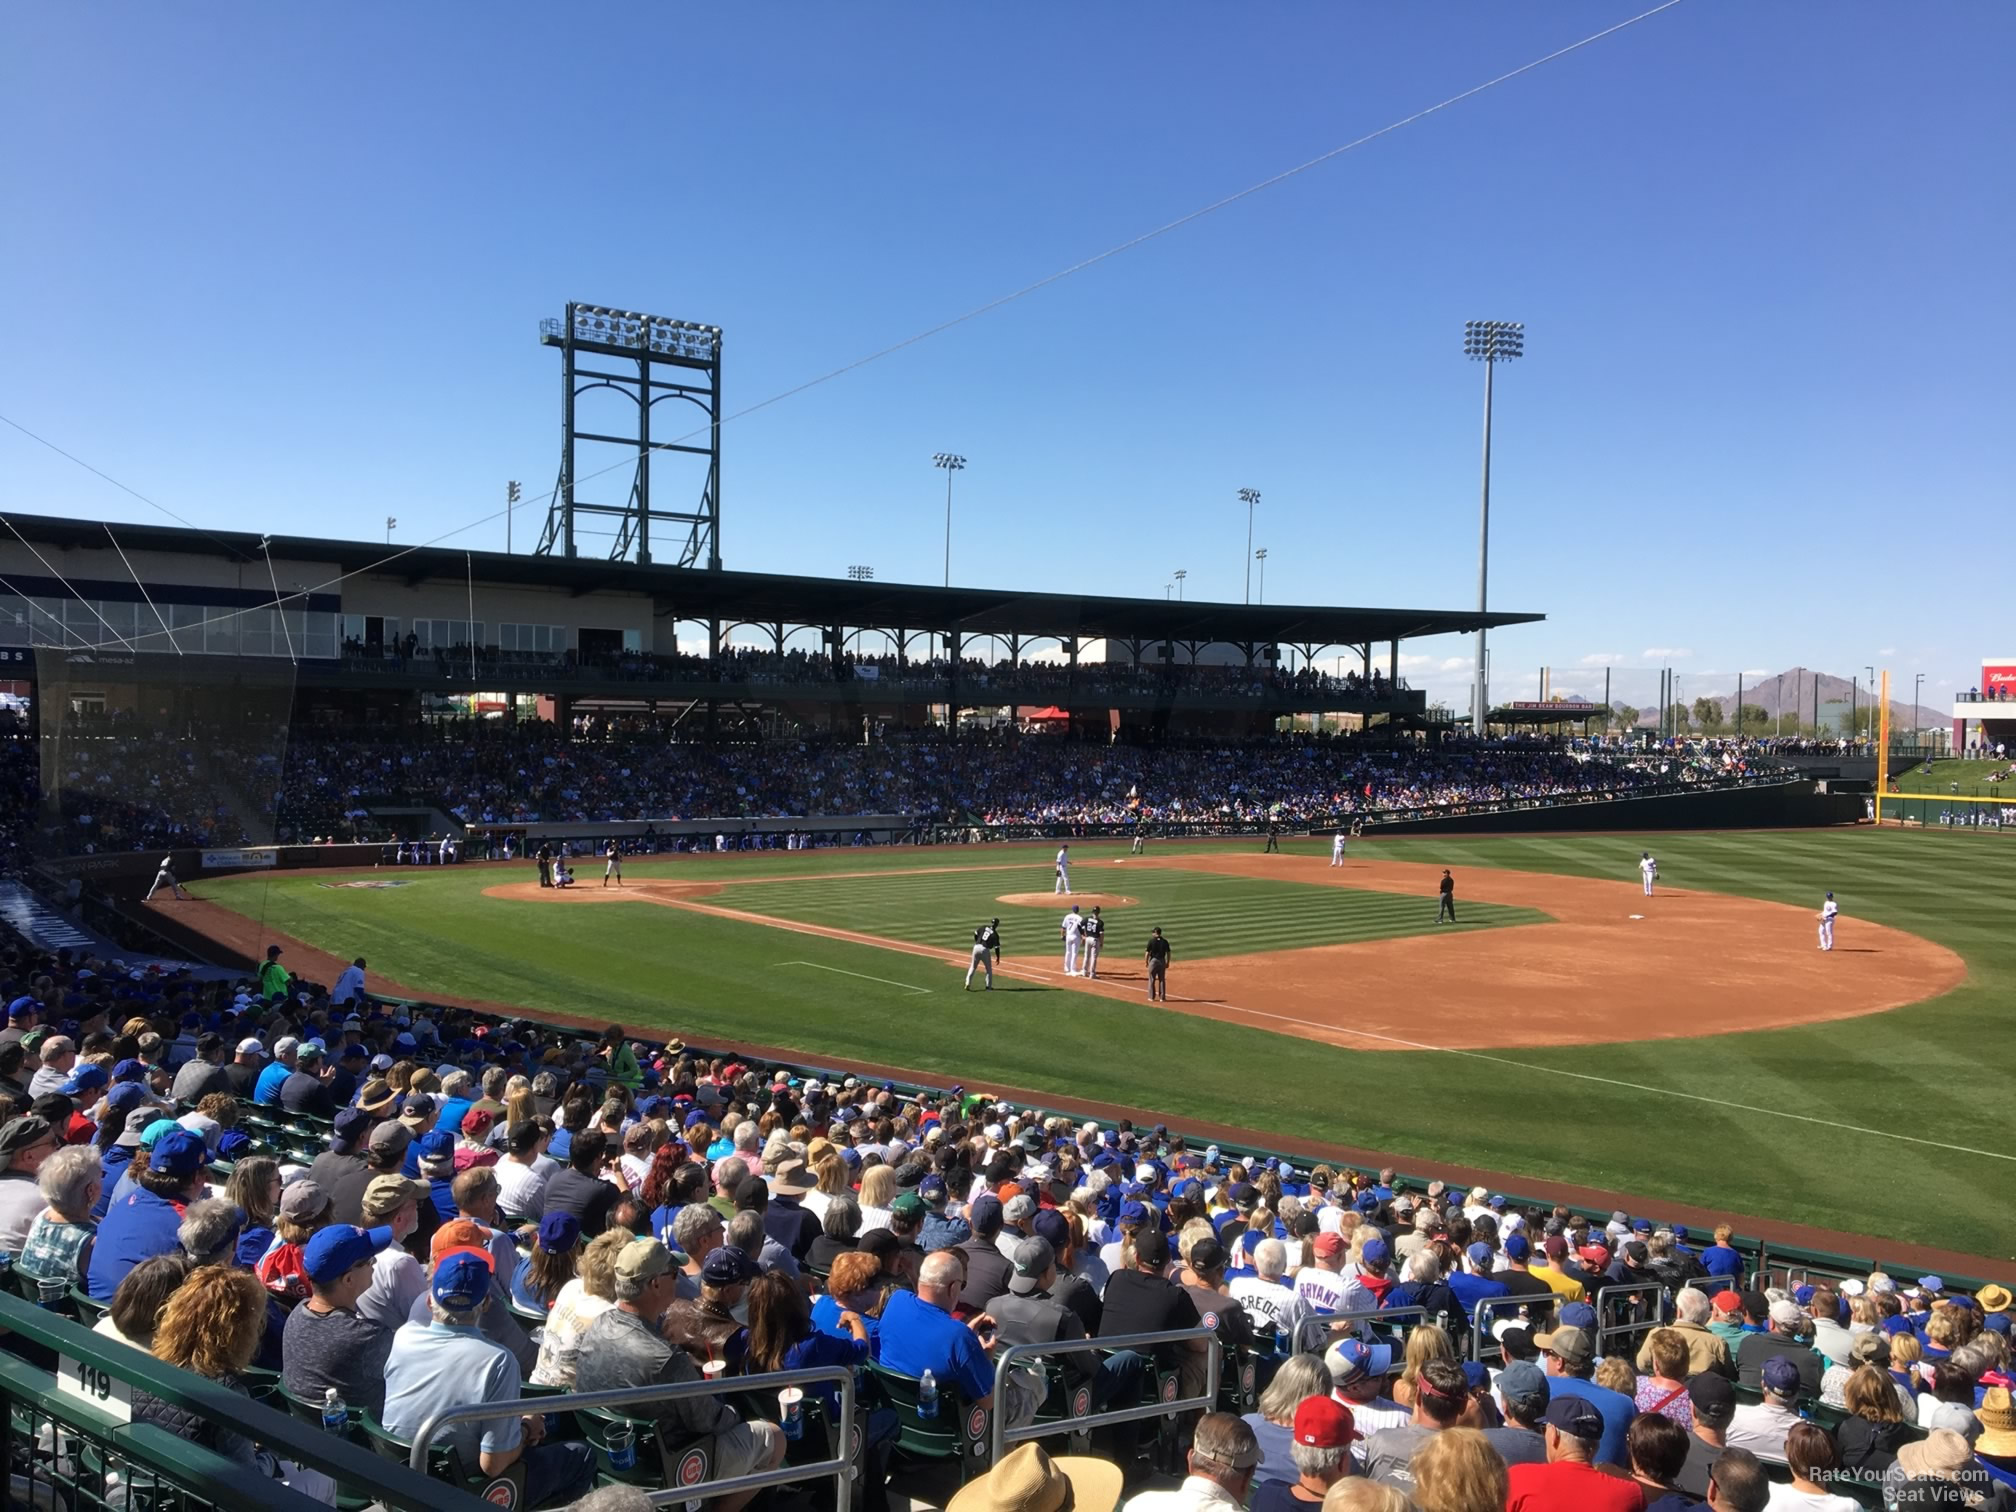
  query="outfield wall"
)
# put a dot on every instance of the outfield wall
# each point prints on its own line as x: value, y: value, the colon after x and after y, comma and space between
x: 1778, y: 805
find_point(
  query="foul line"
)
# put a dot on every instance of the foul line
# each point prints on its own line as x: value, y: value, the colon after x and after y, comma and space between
x: 885, y: 981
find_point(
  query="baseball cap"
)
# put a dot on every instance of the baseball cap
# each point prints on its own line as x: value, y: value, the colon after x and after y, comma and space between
x: 1479, y: 1253
x: 1574, y: 1346
x: 1525, y: 1384
x: 639, y: 1261
x: 1376, y: 1252
x: 1323, y: 1422
x: 1032, y: 1258
x: 351, y: 1124
x: 727, y: 1266
x: 1329, y: 1245
x: 932, y: 1189
x: 418, y: 1108
x: 457, y: 1235
x: 1050, y: 1226
x: 85, y: 1079
x: 1353, y: 1359
x: 1593, y: 1254
x: 1780, y: 1376
x: 1206, y: 1253
x: 251, y: 1045
x: 137, y: 1123
x: 439, y: 1145
x: 1133, y: 1212
x: 300, y: 1201
x: 907, y: 1205
x: 1150, y: 1248
x: 130, y: 1070
x: 462, y: 1280
x: 390, y: 1137
x: 1577, y: 1315
x: 179, y: 1153
x: 1728, y: 1300
x: 385, y: 1195
x: 1714, y: 1398
x: 1787, y: 1312
x: 1575, y: 1417
x: 332, y: 1252
x: 1518, y: 1247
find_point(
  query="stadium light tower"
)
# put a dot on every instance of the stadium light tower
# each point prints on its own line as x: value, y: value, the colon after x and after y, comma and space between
x: 1489, y: 342
x: 391, y: 524
x: 1260, y: 556
x: 952, y: 464
x: 1917, y: 682
x: 861, y: 574
x: 1179, y: 574
x: 1249, y: 497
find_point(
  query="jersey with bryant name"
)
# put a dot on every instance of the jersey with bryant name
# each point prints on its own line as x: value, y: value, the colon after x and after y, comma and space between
x: 988, y: 936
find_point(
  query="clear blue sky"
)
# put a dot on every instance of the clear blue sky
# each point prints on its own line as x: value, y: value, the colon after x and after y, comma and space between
x: 281, y: 268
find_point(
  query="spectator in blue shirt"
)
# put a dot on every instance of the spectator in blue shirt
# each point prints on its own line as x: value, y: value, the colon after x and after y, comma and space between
x: 919, y: 1333
x: 145, y: 1222
x: 1569, y: 1356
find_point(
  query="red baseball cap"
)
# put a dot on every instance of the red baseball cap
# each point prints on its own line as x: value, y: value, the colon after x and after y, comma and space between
x: 1727, y: 1300
x: 1594, y: 1254
x: 1323, y: 1422
x: 1329, y: 1244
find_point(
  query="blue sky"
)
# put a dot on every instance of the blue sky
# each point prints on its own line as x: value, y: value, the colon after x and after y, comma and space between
x: 281, y: 268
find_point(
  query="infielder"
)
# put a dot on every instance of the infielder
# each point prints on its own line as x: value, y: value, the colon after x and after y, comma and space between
x: 1828, y: 911
x: 1140, y: 838
x: 1064, y: 870
x: 1337, y: 849
x: 986, y: 951
x: 1072, y: 928
x: 1649, y: 870
x: 165, y: 877
x: 1094, y: 934
x: 614, y: 868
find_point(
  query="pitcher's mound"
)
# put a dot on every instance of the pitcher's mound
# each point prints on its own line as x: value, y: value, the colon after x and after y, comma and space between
x: 1065, y: 900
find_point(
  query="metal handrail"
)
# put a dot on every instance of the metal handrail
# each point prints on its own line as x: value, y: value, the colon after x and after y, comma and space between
x: 1371, y: 1315
x: 840, y: 1468
x: 1003, y: 1434
x: 1657, y: 1290
x: 1481, y: 1330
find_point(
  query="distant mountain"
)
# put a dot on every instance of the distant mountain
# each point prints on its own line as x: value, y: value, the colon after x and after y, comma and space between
x: 1792, y: 692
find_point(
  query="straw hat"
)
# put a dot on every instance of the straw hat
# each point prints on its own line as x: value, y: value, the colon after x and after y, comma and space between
x: 1029, y: 1480
x: 1997, y: 1416
x: 1942, y: 1453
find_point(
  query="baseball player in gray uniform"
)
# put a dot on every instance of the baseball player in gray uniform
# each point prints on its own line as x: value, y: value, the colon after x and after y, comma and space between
x: 986, y: 951
x: 1093, y: 931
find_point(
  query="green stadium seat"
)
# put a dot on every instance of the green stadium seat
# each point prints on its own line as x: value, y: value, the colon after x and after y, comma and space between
x: 444, y: 1463
x: 961, y: 1431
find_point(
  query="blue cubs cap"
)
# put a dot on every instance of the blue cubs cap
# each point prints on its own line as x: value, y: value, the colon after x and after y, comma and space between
x: 436, y: 1144
x: 1475, y: 1375
x: 932, y: 1188
x: 983, y: 1210
x: 1577, y: 1315
x: 1376, y: 1252
x: 1780, y: 1376
x: 559, y: 1232
x: 1518, y: 1247
x: 1354, y: 1359
x: 695, y: 1118
x: 1365, y: 1202
x: 235, y: 1145
x: 1803, y: 1295
x: 351, y: 1125
x: 331, y: 1253
x: 130, y: 1071
x: 179, y: 1153
x: 1680, y: 1232
x: 1133, y: 1212
x: 728, y: 1266
x: 1479, y: 1253
x: 462, y: 1281
x: 1641, y: 1225
x: 87, y: 1078
x: 1497, y: 1202
x: 125, y: 1097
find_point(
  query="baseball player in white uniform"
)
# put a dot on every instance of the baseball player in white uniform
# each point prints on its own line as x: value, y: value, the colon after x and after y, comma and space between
x: 1072, y: 928
x: 1828, y: 911
x: 1337, y: 849
x: 1093, y: 932
x: 165, y: 877
x: 615, y: 866
x: 1649, y: 870
x: 986, y: 951
x: 1064, y: 870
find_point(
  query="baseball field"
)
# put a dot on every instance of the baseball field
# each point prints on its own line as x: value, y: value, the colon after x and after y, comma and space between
x: 1694, y: 1047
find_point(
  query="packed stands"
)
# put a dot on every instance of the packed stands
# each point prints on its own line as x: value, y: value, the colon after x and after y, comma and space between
x: 367, y: 1212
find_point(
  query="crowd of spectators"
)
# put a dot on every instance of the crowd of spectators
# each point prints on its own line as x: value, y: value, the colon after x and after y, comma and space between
x: 501, y: 1201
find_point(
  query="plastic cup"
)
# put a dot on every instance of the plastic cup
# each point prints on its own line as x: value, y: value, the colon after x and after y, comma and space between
x: 713, y: 1370
x: 791, y: 1411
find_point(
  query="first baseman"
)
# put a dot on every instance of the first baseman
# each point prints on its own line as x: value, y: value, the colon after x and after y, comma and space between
x: 1071, y: 927
x: 1828, y: 911
x: 1093, y: 932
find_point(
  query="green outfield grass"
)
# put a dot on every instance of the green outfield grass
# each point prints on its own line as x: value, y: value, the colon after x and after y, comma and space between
x: 1203, y: 914
x: 1970, y: 775
x: 1660, y: 1118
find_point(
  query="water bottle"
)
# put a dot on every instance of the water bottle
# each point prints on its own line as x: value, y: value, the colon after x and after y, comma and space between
x: 622, y: 1447
x: 927, y: 1395
x: 335, y: 1412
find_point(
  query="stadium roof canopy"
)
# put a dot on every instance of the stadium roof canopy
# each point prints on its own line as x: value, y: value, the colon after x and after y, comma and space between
x: 762, y: 597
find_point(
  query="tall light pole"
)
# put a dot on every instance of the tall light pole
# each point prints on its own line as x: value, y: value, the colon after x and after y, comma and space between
x: 390, y: 525
x: 951, y: 464
x: 1489, y: 342
x: 1917, y: 682
x: 1179, y: 574
x: 1249, y: 497
x: 510, y: 503
x: 860, y: 574
x: 1260, y: 556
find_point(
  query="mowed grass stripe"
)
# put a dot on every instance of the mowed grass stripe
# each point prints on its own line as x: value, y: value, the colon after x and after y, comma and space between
x: 1204, y: 914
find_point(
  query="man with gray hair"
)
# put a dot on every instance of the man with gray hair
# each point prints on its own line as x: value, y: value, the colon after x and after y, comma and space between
x: 748, y: 1148
x: 696, y: 1233
x: 919, y: 1333
x: 209, y: 1231
x: 1223, y: 1456
x: 1705, y: 1351
x: 1273, y: 1305
x: 626, y: 1347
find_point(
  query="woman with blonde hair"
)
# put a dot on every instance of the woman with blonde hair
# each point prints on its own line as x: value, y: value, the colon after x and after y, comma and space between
x: 1457, y: 1470
x: 519, y: 1104
x: 1616, y: 1373
x: 1869, y: 1436
x: 878, y: 1190
x: 580, y: 1302
x: 1356, y: 1494
x: 1424, y: 1343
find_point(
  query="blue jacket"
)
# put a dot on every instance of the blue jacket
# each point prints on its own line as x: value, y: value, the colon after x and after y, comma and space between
x: 112, y: 1164
x: 266, y: 1090
x: 138, y: 1227
x: 453, y: 1111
